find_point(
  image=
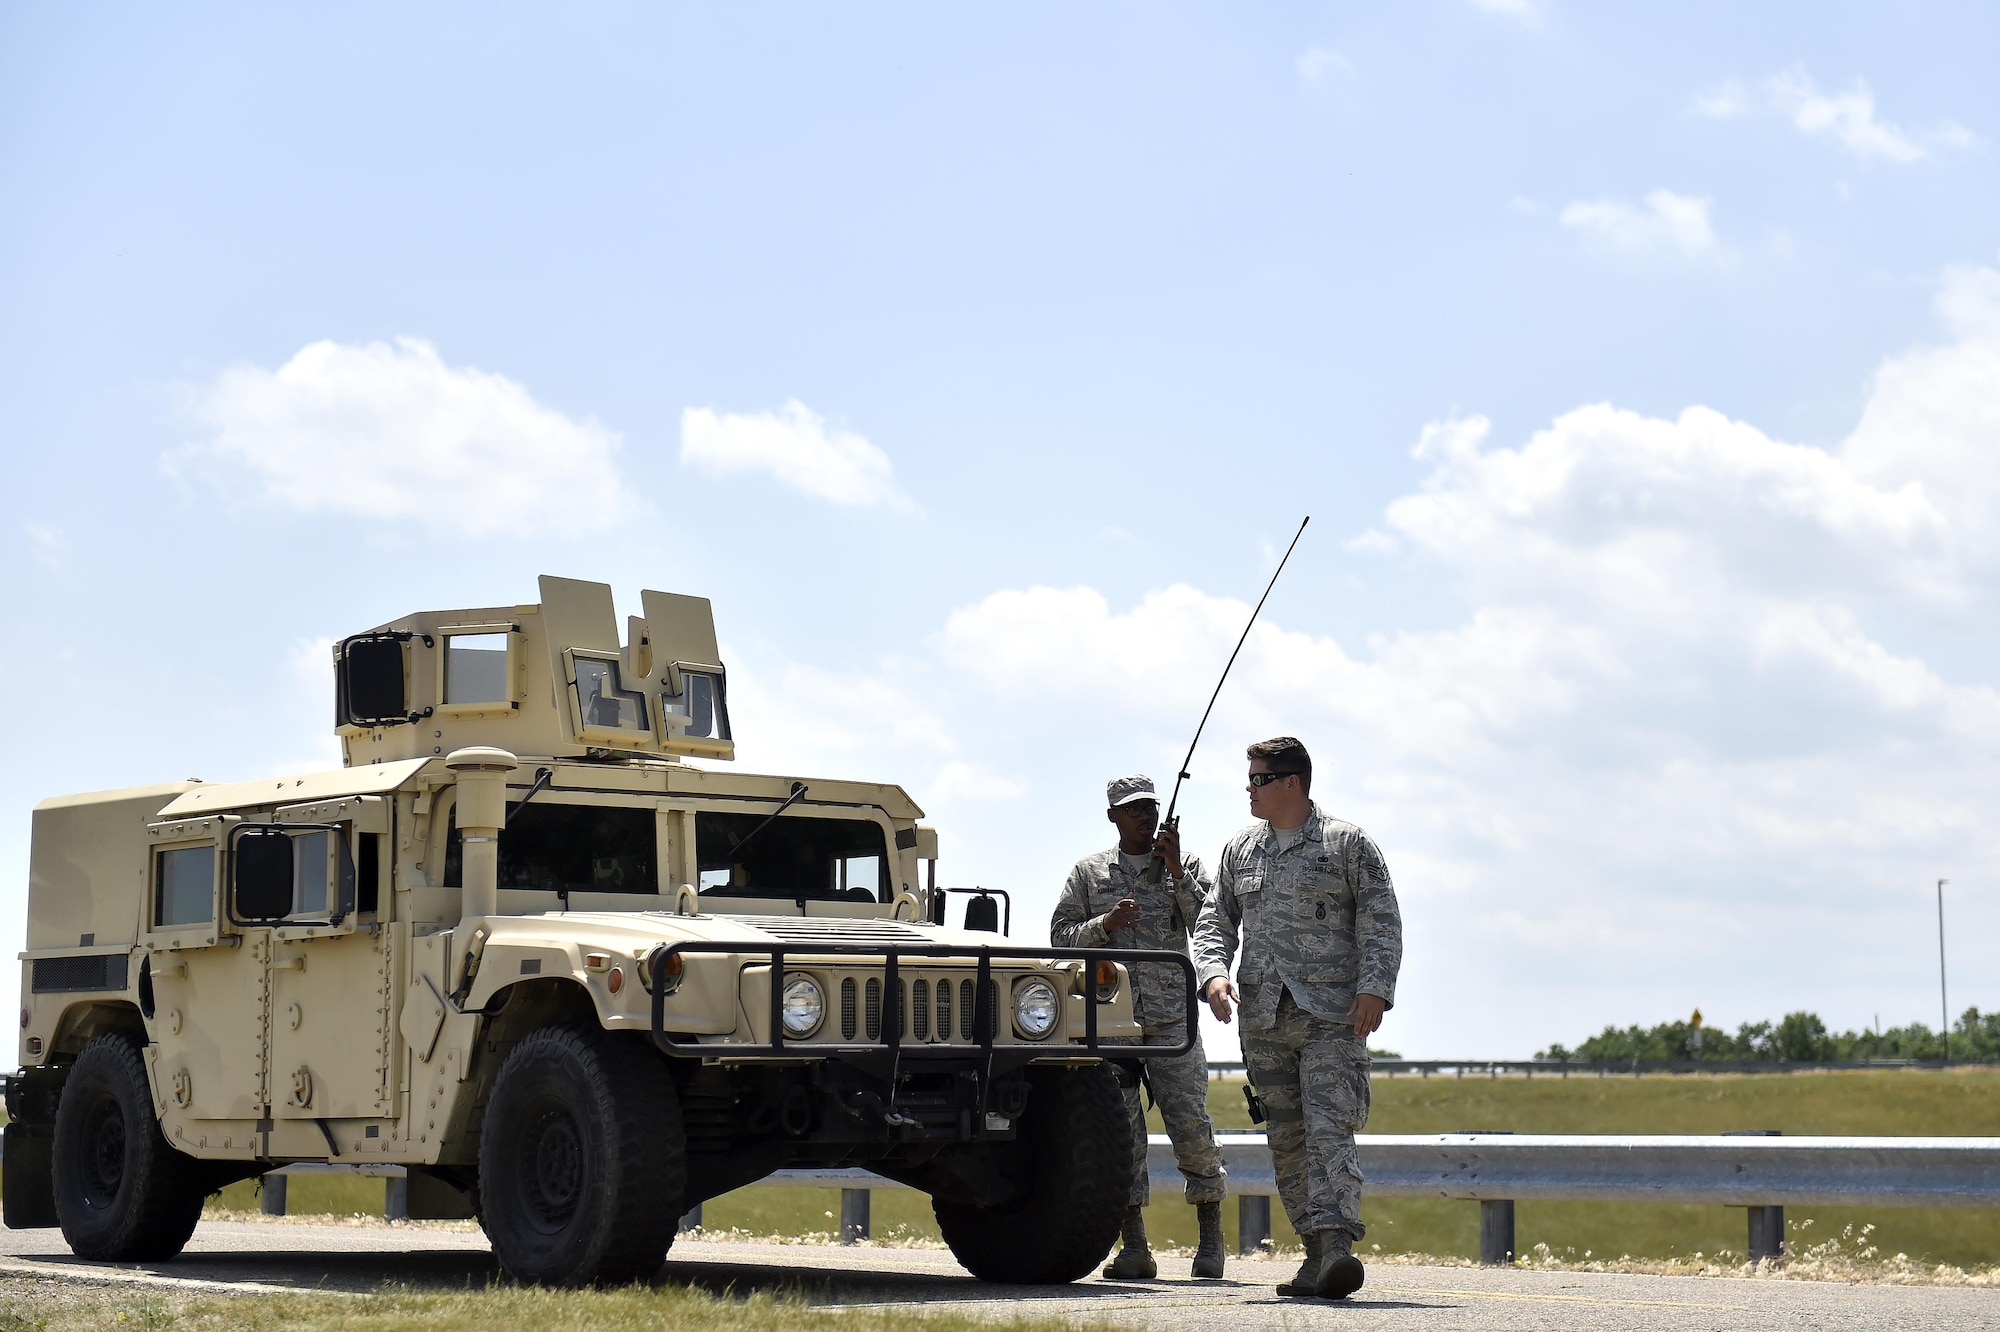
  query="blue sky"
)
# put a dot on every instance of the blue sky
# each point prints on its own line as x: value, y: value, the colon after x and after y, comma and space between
x: 1637, y: 368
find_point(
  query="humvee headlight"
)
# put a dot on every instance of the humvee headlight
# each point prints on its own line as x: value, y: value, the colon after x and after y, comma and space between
x: 805, y: 1005
x: 1035, y: 1009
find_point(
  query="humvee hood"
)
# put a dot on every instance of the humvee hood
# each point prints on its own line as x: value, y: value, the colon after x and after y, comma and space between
x: 631, y: 929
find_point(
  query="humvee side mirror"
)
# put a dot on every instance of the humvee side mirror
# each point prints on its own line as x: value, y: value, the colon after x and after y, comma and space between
x: 983, y: 911
x: 298, y: 873
x: 369, y: 684
x: 261, y: 880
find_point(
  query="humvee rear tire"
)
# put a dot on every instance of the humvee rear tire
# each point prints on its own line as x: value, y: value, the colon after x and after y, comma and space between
x: 1077, y: 1140
x: 122, y: 1193
x: 582, y: 1160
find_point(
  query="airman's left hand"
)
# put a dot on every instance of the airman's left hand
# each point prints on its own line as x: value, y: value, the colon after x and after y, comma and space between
x: 1366, y: 1014
x: 1168, y: 845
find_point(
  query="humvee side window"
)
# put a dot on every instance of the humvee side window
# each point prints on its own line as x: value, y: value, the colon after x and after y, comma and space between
x: 823, y: 860
x: 184, y: 886
x: 368, y: 874
x: 309, y: 857
x: 561, y: 848
x: 475, y: 668
x: 600, y: 701
x: 701, y: 703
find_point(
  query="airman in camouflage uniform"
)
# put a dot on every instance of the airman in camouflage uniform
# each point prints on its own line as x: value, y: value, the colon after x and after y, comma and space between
x: 1108, y: 904
x: 1322, y: 941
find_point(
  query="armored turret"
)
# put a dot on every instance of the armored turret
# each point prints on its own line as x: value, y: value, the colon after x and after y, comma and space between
x: 550, y: 680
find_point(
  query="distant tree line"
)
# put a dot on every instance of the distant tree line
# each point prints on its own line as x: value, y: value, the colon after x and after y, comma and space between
x: 1798, y: 1037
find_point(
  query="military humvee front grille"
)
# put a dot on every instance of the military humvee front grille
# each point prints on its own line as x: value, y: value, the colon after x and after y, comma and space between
x: 57, y: 975
x: 931, y: 1010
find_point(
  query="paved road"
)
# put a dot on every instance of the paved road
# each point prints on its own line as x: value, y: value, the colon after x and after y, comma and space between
x: 253, y: 1256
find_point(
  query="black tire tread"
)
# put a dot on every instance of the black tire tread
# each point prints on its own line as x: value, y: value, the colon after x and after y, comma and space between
x: 1080, y: 1132
x: 167, y: 1207
x: 632, y: 1094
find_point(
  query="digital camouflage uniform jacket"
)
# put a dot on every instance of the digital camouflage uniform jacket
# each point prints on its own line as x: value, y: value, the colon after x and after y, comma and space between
x: 1319, y: 919
x: 1167, y: 914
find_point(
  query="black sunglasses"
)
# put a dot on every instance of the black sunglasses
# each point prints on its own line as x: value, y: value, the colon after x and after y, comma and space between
x: 1266, y: 778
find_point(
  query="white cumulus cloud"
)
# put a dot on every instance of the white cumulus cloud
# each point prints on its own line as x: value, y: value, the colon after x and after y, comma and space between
x: 1662, y: 223
x: 390, y: 431
x: 1318, y: 65
x: 1848, y: 118
x: 797, y: 447
x: 48, y: 544
x: 1525, y: 11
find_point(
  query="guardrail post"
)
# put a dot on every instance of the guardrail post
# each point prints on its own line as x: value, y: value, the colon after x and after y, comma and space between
x: 690, y: 1220
x: 1496, y: 1232
x: 1767, y: 1233
x: 1253, y: 1223
x: 274, y: 1195
x: 1496, y: 1218
x: 853, y: 1215
x: 1767, y: 1224
x: 396, y: 1199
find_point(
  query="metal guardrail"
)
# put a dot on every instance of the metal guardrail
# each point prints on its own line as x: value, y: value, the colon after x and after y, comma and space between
x: 1563, y: 1068
x: 1730, y: 1170
x: 1763, y: 1174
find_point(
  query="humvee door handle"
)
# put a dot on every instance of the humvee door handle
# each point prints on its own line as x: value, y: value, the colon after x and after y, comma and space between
x: 296, y: 962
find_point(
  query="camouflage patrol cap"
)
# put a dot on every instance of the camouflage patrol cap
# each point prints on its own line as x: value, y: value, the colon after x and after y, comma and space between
x: 1124, y: 790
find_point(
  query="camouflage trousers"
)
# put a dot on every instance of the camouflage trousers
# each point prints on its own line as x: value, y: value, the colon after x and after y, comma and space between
x: 1180, y: 1089
x: 1313, y: 1076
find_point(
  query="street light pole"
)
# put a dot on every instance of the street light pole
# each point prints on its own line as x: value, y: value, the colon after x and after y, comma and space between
x: 1944, y: 1005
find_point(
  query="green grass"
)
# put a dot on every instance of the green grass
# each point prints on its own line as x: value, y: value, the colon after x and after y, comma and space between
x: 48, y: 1306
x: 1955, y: 1103
x: 310, y: 1195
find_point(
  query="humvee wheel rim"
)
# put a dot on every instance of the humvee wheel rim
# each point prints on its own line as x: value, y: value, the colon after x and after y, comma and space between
x: 556, y: 1149
x: 104, y: 1162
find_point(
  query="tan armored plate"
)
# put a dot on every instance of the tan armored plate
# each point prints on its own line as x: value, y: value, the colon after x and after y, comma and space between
x: 573, y: 981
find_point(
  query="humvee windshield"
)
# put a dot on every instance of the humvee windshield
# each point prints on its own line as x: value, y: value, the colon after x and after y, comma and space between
x: 613, y: 849
x: 796, y: 857
x: 561, y: 848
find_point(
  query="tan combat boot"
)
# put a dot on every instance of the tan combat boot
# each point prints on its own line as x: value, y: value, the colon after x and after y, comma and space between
x: 1308, y: 1274
x: 1134, y: 1260
x: 1208, y: 1257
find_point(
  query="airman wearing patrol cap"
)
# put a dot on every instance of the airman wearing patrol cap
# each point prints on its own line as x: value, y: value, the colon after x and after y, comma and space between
x: 1107, y: 903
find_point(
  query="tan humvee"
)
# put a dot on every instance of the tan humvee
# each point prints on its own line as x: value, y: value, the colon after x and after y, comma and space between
x: 575, y: 984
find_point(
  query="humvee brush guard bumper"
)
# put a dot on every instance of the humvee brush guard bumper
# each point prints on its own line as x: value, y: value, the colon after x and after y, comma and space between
x: 903, y: 1033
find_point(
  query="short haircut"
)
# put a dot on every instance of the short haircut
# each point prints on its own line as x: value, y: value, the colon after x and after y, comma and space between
x: 1284, y: 754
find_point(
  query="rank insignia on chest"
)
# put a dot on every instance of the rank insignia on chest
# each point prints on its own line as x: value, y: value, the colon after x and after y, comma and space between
x: 1319, y: 912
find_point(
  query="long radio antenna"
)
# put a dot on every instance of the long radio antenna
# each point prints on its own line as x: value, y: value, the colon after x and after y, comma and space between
x: 1185, y: 775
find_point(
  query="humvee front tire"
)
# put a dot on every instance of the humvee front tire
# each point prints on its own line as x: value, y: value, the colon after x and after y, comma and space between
x: 122, y: 1192
x: 582, y: 1161
x: 1076, y: 1138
